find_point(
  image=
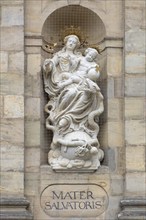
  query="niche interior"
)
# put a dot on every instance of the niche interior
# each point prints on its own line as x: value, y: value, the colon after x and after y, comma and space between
x: 93, y: 29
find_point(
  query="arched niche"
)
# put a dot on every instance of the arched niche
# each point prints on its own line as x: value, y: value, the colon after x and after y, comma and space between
x: 90, y: 25
x: 74, y: 15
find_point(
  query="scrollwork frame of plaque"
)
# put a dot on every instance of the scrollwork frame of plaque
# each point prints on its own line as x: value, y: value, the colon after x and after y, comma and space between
x: 64, y: 203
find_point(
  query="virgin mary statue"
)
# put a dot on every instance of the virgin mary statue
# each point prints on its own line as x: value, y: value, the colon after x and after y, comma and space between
x: 75, y: 103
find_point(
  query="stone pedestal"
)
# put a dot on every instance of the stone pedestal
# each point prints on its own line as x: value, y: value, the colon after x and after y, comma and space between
x: 73, y: 195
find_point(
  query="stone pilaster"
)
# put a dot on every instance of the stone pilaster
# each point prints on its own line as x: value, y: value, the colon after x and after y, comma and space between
x: 12, y: 111
x: 133, y: 205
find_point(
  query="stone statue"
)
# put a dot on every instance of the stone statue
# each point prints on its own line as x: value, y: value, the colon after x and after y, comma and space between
x: 75, y: 103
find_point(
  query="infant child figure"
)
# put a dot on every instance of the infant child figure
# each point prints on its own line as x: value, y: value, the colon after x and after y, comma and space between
x: 88, y: 68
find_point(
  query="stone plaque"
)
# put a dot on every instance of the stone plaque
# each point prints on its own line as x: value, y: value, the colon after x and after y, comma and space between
x: 74, y: 200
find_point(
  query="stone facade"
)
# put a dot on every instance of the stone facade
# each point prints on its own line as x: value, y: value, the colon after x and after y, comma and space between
x: 25, y: 141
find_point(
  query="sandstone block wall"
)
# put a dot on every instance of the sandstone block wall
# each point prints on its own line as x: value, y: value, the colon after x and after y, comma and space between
x: 12, y: 96
x: 135, y: 97
x: 24, y: 139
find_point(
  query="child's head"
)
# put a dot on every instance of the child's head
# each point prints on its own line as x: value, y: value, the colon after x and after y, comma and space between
x: 90, y: 54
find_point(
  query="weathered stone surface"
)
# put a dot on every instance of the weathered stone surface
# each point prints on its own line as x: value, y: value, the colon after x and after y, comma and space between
x: 135, y: 63
x: 143, y: 24
x: 13, y: 201
x: 32, y: 23
x: 114, y: 202
x: 115, y: 134
x: 13, y: 106
x: 32, y: 85
x: 103, y: 85
x: 32, y: 185
x: 114, y: 159
x: 133, y: 17
x: 115, y: 109
x: 12, y: 183
x: 135, y: 183
x: 32, y: 49
x: 119, y: 87
x: 134, y: 108
x: 117, y: 185
x: 110, y: 88
x: 1, y: 106
x: 135, y: 86
x: 12, y: 130
x: 76, y: 2
x: 28, y: 85
x: 32, y: 133
x: 16, y: 208
x: 33, y: 64
x: 135, y: 158
x: 32, y: 165
x: 135, y: 42
x: 114, y: 62
x: 133, y: 209
x: 11, y: 16
x: 12, y: 38
x: 101, y: 177
x: 9, y: 87
x: 12, y: 157
x: 4, y: 61
x: 135, y: 132
x: 16, y: 62
x: 103, y: 135
x: 135, y: 4
x: 10, y: 2
x: 120, y: 157
x: 132, y: 215
x: 33, y: 45
x: 32, y: 108
x: 111, y: 159
x: 135, y: 201
x: 113, y: 10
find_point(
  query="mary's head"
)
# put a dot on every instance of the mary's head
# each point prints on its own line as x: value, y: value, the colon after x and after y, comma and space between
x: 71, y: 42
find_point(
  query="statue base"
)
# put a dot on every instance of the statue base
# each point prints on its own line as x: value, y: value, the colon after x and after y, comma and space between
x: 72, y: 195
x: 81, y: 170
x: 76, y: 151
x: 75, y: 159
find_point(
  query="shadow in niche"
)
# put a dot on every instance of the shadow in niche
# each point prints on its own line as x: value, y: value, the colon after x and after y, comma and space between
x: 92, y: 26
x: 46, y: 135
